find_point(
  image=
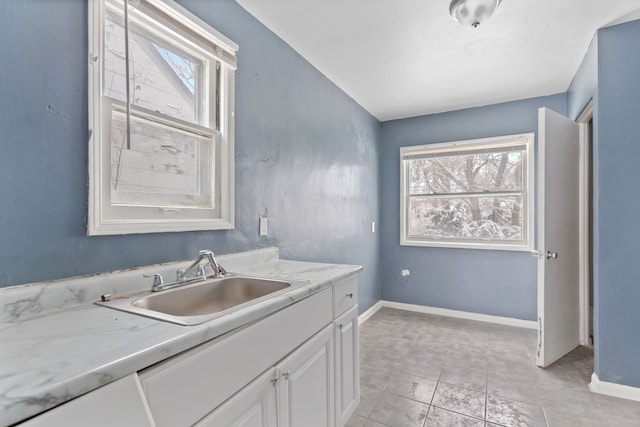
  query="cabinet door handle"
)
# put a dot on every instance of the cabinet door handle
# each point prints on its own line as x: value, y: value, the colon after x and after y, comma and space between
x: 350, y: 295
x: 286, y: 375
x: 340, y: 326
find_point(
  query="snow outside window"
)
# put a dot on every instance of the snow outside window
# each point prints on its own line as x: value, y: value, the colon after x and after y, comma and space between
x: 161, y: 85
x: 468, y: 194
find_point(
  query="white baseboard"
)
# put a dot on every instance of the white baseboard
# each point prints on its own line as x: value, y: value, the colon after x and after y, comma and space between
x: 613, y: 389
x: 370, y: 312
x: 529, y: 324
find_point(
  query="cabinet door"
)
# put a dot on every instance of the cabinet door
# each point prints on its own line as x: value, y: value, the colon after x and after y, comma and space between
x: 305, y: 384
x: 347, y: 369
x: 253, y: 406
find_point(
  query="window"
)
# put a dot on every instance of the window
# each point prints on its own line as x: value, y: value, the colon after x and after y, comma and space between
x: 468, y: 194
x: 161, y: 99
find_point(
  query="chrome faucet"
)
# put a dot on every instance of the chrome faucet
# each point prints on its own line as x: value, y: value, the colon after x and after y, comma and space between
x: 209, y: 256
x: 194, y: 273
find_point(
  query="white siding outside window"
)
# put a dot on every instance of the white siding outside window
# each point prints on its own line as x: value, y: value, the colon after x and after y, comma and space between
x: 161, y: 89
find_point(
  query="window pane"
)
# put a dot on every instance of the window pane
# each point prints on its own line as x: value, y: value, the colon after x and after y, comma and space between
x: 468, y: 218
x: 162, y: 166
x: 470, y: 173
x: 163, y: 77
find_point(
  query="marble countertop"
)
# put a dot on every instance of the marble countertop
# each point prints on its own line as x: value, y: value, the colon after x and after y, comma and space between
x: 55, y: 344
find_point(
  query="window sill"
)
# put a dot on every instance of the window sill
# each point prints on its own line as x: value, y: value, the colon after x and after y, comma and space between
x: 468, y: 245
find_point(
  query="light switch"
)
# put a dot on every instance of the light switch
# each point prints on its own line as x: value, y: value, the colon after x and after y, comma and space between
x: 264, y: 225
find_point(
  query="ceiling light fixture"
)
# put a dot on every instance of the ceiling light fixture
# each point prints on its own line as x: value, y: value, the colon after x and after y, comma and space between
x: 473, y: 12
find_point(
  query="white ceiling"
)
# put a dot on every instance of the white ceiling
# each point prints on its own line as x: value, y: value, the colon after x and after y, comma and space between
x: 404, y: 58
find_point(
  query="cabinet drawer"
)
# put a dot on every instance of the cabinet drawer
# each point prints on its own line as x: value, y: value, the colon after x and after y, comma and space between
x: 183, y: 389
x: 345, y: 295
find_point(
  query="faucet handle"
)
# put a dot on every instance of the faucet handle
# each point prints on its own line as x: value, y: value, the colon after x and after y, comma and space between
x: 157, y: 280
x: 218, y: 271
x: 200, y: 272
x: 222, y: 271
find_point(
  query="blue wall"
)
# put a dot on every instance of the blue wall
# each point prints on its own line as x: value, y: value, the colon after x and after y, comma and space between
x: 617, y: 283
x: 306, y: 154
x: 500, y: 283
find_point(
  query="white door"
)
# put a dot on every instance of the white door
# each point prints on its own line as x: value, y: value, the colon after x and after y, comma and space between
x: 558, y: 261
x: 305, y: 384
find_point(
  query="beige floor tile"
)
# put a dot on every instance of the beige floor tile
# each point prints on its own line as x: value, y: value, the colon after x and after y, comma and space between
x: 407, y: 353
x: 399, y: 411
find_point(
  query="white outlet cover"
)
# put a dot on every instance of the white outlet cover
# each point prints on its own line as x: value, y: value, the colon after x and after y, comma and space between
x: 264, y: 226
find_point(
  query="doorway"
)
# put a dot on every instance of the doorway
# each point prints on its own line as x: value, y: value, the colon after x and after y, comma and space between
x: 585, y: 122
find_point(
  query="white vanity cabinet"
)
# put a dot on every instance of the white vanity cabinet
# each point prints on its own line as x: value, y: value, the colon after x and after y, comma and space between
x: 297, y: 367
x: 316, y: 385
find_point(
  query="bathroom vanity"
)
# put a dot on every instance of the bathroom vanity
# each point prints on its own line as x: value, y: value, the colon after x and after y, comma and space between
x: 287, y: 360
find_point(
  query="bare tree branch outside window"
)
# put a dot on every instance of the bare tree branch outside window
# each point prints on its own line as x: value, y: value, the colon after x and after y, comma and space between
x: 474, y: 196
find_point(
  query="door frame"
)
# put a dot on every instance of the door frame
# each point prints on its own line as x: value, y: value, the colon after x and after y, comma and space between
x: 585, y: 170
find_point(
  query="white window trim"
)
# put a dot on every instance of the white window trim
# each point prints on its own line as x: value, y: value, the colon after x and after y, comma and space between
x: 529, y: 208
x: 99, y: 220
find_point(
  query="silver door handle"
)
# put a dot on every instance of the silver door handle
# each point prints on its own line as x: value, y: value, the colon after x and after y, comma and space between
x: 552, y: 255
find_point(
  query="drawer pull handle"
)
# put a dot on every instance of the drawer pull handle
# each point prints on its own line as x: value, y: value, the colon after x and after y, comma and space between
x: 350, y: 295
x: 286, y: 375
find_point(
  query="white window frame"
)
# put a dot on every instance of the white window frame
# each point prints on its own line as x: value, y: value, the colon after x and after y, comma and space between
x: 528, y: 192
x: 105, y: 218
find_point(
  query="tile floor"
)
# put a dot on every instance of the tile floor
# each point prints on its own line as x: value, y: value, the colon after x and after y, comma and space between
x: 426, y: 370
